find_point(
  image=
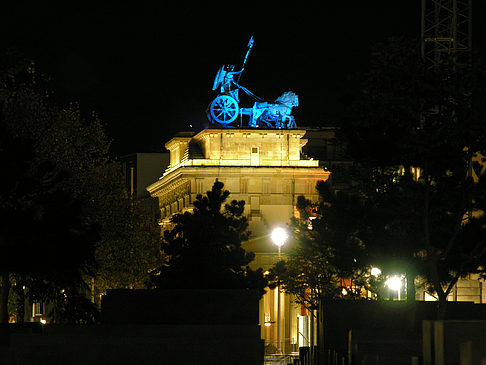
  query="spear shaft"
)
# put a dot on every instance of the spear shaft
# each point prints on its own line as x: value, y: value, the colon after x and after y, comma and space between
x: 250, y: 45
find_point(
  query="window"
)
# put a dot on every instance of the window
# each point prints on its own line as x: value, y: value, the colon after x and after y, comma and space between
x: 254, y: 157
x: 244, y: 186
x: 255, y: 203
x: 37, y: 309
x: 266, y: 186
x: 199, y: 186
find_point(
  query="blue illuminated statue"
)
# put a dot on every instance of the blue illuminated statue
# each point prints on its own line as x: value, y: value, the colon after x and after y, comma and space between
x: 225, y: 108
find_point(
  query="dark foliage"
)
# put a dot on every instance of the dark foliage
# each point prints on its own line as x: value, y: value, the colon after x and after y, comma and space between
x: 331, y: 259
x: 204, y: 247
x: 419, y: 137
x: 72, y: 141
x: 44, y: 238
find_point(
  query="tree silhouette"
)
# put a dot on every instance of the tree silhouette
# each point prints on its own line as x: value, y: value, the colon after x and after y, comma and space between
x: 204, y: 247
x: 419, y: 135
x: 44, y: 239
x: 330, y: 258
x: 74, y: 142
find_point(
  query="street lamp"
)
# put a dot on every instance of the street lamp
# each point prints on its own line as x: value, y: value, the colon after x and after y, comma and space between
x: 279, y: 236
x: 394, y: 283
x: 375, y: 271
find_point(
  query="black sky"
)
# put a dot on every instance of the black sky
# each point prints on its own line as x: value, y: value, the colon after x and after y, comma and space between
x: 147, y: 68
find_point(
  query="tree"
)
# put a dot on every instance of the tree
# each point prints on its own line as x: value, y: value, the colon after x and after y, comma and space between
x: 76, y: 143
x: 419, y: 134
x: 131, y: 246
x: 307, y: 275
x: 204, y: 247
x: 44, y: 238
x: 330, y: 260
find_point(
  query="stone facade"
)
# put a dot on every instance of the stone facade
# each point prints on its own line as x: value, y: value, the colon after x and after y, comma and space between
x: 266, y: 169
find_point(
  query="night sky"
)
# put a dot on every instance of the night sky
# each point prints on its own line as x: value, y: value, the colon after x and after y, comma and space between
x: 147, y: 69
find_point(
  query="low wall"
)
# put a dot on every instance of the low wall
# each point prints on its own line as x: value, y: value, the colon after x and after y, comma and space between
x: 473, y: 352
x: 365, y: 329
x: 147, y: 327
x: 180, y: 307
x: 390, y: 346
x: 445, y: 340
x: 134, y: 344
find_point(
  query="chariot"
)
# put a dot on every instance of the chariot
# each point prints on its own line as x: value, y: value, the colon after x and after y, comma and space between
x: 225, y: 107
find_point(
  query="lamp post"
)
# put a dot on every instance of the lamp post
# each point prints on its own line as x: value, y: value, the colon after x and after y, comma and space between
x: 279, y: 236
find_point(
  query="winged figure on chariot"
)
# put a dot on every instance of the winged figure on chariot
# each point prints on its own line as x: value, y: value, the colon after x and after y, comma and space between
x: 225, y: 108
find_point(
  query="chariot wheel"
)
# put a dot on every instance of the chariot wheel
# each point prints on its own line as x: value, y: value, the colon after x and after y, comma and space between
x: 224, y: 109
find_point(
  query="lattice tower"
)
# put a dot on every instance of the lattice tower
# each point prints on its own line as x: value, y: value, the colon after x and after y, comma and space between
x: 447, y: 31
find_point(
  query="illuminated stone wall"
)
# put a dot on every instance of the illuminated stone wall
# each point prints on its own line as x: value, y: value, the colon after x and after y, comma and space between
x: 263, y: 167
x: 266, y: 169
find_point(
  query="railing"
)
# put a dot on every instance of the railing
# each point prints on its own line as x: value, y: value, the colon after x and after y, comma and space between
x: 336, y: 358
x: 309, y: 356
x: 305, y: 356
x: 277, y: 359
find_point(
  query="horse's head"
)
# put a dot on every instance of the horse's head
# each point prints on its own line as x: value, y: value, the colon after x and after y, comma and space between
x: 288, y: 98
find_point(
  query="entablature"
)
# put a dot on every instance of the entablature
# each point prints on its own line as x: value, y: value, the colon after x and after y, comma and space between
x: 239, y: 147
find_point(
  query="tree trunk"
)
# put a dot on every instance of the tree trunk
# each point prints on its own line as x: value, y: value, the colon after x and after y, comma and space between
x: 21, y: 309
x: 312, y: 323
x: 410, y: 288
x: 19, y: 291
x: 4, y: 291
x: 441, y: 310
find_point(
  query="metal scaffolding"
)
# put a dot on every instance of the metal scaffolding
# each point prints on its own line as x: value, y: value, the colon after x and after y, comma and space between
x: 446, y: 31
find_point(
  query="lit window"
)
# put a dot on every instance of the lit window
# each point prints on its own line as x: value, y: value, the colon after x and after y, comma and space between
x: 37, y: 309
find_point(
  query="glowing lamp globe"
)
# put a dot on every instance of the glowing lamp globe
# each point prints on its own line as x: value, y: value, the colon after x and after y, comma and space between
x: 375, y: 271
x: 279, y: 236
x: 394, y: 283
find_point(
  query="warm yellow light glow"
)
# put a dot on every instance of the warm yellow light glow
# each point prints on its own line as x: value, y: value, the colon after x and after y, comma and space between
x: 429, y: 297
x: 279, y: 236
x: 267, y: 323
x: 394, y: 283
x: 375, y: 271
x: 309, y: 226
x: 43, y: 321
